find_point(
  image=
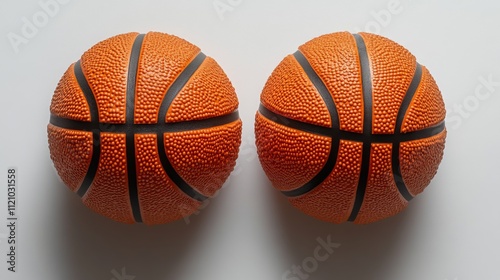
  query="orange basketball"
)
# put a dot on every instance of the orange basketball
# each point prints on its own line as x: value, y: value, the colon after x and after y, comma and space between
x: 350, y: 128
x: 144, y: 127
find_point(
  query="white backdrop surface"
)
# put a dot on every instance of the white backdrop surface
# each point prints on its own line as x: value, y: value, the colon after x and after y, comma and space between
x: 249, y: 231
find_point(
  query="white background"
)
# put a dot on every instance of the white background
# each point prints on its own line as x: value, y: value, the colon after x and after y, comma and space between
x: 249, y: 231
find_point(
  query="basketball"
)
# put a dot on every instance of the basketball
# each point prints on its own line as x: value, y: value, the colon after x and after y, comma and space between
x: 350, y: 128
x: 144, y: 128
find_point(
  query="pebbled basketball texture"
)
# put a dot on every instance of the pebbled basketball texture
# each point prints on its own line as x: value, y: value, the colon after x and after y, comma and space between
x: 350, y: 128
x: 144, y: 127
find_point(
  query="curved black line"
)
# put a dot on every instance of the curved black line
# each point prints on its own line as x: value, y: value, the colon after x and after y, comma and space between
x: 348, y: 135
x: 96, y: 135
x: 396, y: 168
x: 94, y: 164
x: 334, y: 118
x: 144, y: 128
x: 178, y: 84
x: 173, y: 175
x: 320, y: 86
x: 169, y: 97
x: 130, y: 136
x: 405, y: 104
x: 366, y: 81
x: 87, y: 92
x: 307, y: 127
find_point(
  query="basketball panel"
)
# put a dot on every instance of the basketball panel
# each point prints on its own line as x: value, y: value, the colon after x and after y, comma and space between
x: 68, y: 100
x: 108, y: 194
x: 290, y: 158
x: 333, y: 199
x: 382, y: 198
x: 207, y: 94
x: 71, y: 153
x: 334, y: 58
x: 392, y: 68
x: 163, y: 57
x: 105, y: 67
x: 427, y: 107
x: 419, y: 161
x: 290, y: 93
x: 204, y: 158
x: 160, y: 200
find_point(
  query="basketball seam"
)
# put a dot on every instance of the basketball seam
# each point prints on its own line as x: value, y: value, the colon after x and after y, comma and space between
x: 367, y: 89
x: 405, y: 105
x: 168, y: 98
x: 96, y: 136
x: 332, y: 110
x: 145, y: 128
x: 348, y: 135
x: 129, y: 119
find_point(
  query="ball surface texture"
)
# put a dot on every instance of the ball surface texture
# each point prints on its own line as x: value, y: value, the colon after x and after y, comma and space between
x: 350, y: 128
x: 144, y: 127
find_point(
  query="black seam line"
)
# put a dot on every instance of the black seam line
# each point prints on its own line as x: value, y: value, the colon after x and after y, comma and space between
x: 396, y: 168
x: 96, y: 136
x: 129, y: 119
x: 366, y: 81
x: 144, y: 128
x: 170, y: 95
x: 348, y: 135
x: 334, y: 118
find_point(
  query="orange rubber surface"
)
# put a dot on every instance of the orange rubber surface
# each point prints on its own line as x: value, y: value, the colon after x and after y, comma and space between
x: 420, y: 160
x: 289, y: 157
x: 109, y: 195
x: 427, y: 107
x: 280, y: 95
x: 392, y: 69
x: 194, y: 103
x: 382, y: 198
x: 159, y: 204
x: 105, y: 66
x: 335, y: 60
x: 70, y: 150
x: 162, y: 60
x: 208, y: 155
x: 68, y: 100
x: 333, y: 199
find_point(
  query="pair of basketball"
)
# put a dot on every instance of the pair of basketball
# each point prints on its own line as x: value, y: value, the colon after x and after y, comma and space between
x: 145, y: 127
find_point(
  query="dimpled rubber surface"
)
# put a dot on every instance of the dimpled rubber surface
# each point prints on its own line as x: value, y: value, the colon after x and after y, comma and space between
x: 420, y: 161
x: 108, y: 195
x: 427, y: 107
x: 201, y: 150
x: 113, y: 159
x: 280, y: 94
x: 376, y: 171
x: 162, y: 60
x: 289, y: 157
x: 193, y: 102
x: 68, y: 100
x: 333, y: 199
x: 392, y: 71
x: 159, y: 205
x: 71, y: 151
x: 105, y: 66
x: 334, y: 58
x: 382, y: 198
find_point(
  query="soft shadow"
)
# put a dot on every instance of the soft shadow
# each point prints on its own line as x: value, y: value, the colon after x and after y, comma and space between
x: 365, y: 251
x: 92, y: 247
